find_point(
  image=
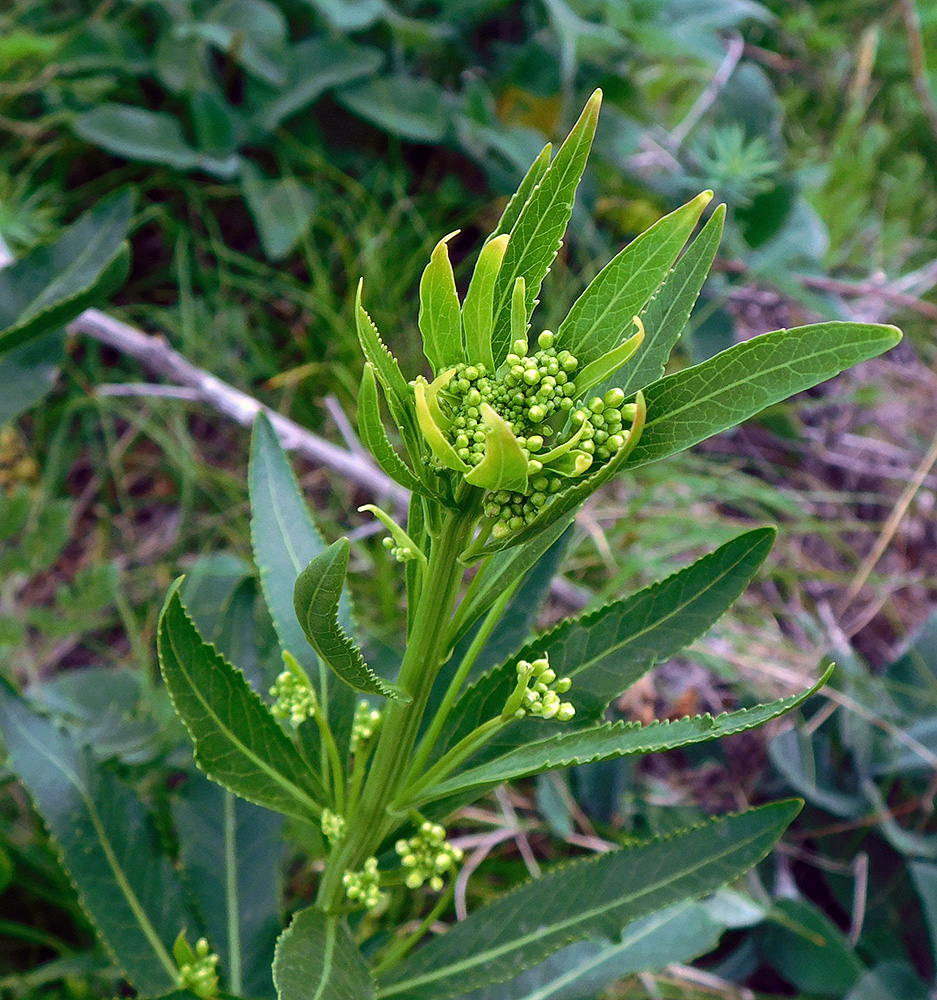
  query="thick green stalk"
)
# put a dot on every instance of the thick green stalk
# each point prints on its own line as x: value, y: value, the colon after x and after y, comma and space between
x: 425, y: 652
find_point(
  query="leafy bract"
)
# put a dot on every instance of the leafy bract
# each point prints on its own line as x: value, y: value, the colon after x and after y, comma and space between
x: 504, y: 466
x: 317, y: 959
x: 374, y: 437
x: 53, y: 284
x: 316, y: 600
x: 600, y: 896
x: 126, y: 884
x: 606, y: 651
x: 478, y: 307
x: 537, y: 234
x: 385, y: 364
x: 238, y: 743
x: 440, y: 318
x: 605, y: 310
x: 609, y: 740
x: 692, y: 405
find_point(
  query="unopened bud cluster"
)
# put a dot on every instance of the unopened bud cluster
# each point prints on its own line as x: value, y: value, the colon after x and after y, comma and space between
x: 295, y: 699
x: 364, y: 725
x: 364, y: 887
x: 538, y: 693
x: 402, y: 553
x: 201, y: 975
x: 428, y: 856
x: 333, y: 826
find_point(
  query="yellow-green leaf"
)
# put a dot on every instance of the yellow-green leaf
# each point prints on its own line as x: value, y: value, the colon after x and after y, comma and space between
x: 440, y: 315
x: 504, y: 466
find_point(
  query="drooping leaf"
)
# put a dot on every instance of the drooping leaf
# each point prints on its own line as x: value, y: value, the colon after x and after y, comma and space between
x: 238, y: 743
x: 537, y: 234
x: 140, y: 135
x: 607, y: 651
x: 440, y: 319
x: 604, y: 312
x: 374, y: 437
x: 478, y: 307
x: 610, y: 740
x: 231, y: 852
x: 523, y: 193
x: 403, y: 105
x: 53, y: 284
x: 317, y: 959
x: 285, y: 541
x: 692, y: 405
x: 126, y: 884
x: 668, y: 310
x: 504, y: 466
x: 675, y: 935
x: 316, y: 598
x: 27, y: 374
x: 282, y: 210
x: 600, y: 896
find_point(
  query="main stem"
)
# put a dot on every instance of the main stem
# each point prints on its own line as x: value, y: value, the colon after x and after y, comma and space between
x: 424, y: 654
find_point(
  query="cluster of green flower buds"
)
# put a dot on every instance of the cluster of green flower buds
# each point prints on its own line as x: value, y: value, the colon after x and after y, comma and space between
x: 200, y: 972
x: 428, y: 856
x: 364, y: 725
x: 364, y: 887
x: 333, y: 826
x: 538, y: 693
x: 402, y: 553
x: 295, y: 699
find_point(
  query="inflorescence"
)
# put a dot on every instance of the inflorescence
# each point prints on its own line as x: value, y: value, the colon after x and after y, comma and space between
x: 295, y: 699
x: 364, y: 887
x: 428, y: 856
x: 365, y: 724
x: 333, y: 826
x: 538, y: 693
x: 200, y: 975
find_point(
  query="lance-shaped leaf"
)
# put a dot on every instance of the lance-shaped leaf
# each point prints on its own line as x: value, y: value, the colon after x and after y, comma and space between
x: 385, y: 364
x: 523, y: 193
x: 440, y: 318
x: 126, y: 884
x: 238, y: 743
x: 604, y: 311
x: 435, y: 438
x: 315, y: 599
x: 569, y: 500
x: 519, y: 312
x: 537, y: 234
x: 374, y: 437
x: 504, y: 466
x: 600, y: 369
x: 52, y: 284
x: 607, y: 651
x: 692, y: 405
x: 317, y: 959
x: 597, y: 897
x: 610, y: 740
x: 668, y: 311
x: 478, y: 307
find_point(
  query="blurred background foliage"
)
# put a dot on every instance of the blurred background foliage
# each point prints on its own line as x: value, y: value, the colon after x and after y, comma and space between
x: 276, y: 151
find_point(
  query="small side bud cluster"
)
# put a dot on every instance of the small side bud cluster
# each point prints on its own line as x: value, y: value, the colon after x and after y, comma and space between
x: 365, y: 724
x: 333, y: 826
x: 428, y: 856
x: 538, y: 693
x: 200, y: 973
x: 295, y: 699
x: 364, y: 887
x: 402, y: 553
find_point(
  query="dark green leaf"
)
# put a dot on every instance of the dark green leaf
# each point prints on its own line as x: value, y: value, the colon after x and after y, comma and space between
x: 317, y: 959
x: 127, y: 886
x: 410, y: 107
x: 523, y: 193
x: 315, y: 598
x: 604, y: 314
x: 537, y: 234
x: 692, y: 405
x: 53, y: 284
x: 600, y: 896
x: 282, y: 210
x: 27, y: 374
x: 924, y: 877
x: 238, y: 743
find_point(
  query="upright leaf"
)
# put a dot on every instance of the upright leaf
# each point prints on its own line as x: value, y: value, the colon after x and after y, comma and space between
x: 374, y: 437
x: 231, y: 852
x: 478, y: 307
x: 374, y: 349
x: 440, y: 317
x: 692, y: 405
x: 238, y: 743
x: 126, y: 884
x: 537, y: 234
x: 610, y: 740
x: 316, y: 599
x: 606, y: 651
x: 523, y: 193
x: 317, y: 959
x: 597, y: 897
x: 52, y: 284
x: 604, y: 312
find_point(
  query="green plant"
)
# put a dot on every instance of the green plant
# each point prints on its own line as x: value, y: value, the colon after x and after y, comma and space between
x: 501, y: 448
